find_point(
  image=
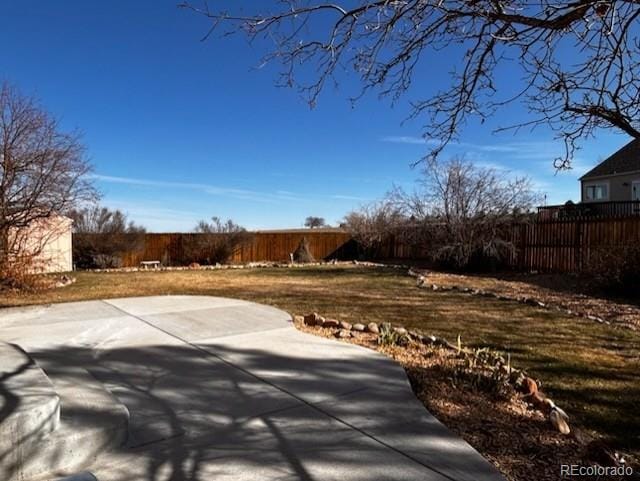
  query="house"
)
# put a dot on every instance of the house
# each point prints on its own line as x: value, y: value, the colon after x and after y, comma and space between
x: 617, y: 178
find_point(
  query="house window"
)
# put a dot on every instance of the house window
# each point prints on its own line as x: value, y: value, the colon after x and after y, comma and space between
x: 597, y: 192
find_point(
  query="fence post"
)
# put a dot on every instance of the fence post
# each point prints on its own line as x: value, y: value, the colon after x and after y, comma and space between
x: 578, y: 244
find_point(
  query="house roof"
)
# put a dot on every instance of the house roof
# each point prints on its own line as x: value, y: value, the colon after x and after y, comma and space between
x: 627, y: 159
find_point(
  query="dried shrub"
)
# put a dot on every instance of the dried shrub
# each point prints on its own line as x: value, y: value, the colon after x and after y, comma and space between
x: 464, y: 213
x: 22, y: 275
x: 373, y: 225
x: 388, y: 336
x: 483, y: 369
x: 302, y: 253
x: 102, y: 237
x: 478, y: 255
x: 213, y: 242
x: 615, y: 269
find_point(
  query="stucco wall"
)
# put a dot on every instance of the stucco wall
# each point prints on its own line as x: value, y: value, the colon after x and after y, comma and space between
x: 56, y: 254
x: 618, y: 191
x: 49, y: 242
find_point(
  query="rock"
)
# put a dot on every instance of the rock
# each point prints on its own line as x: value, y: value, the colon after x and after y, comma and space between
x: 559, y: 422
x: 358, y: 327
x: 345, y: 325
x: 539, y: 401
x: 401, y: 331
x: 429, y: 340
x: 194, y: 265
x: 434, y: 287
x: 313, y: 319
x: 330, y: 323
x: 373, y: 328
x: 343, y: 334
x: 529, y: 386
x: 64, y: 281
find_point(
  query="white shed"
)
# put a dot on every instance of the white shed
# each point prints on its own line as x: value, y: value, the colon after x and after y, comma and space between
x: 50, y: 240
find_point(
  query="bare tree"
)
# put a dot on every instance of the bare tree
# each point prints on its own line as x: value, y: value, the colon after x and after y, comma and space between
x: 102, y: 236
x: 313, y: 222
x: 575, y: 63
x: 371, y: 225
x: 466, y: 211
x: 214, y: 242
x: 43, y: 173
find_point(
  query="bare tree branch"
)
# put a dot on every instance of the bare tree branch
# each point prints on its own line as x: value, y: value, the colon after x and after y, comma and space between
x: 575, y: 62
x: 43, y: 172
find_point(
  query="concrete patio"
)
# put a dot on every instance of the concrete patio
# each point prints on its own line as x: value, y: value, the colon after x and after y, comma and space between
x: 202, y: 388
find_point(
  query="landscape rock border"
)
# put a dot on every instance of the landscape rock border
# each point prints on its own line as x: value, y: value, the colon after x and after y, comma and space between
x: 518, y: 378
x: 421, y: 282
x: 251, y: 265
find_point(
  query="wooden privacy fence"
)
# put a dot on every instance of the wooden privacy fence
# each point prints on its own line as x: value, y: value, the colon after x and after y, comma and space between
x: 549, y: 245
x: 543, y: 245
x: 566, y: 246
x: 262, y: 246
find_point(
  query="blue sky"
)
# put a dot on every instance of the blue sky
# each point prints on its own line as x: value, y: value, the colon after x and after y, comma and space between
x: 180, y: 130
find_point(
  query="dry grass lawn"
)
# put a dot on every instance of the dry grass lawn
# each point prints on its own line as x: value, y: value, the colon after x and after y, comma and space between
x: 591, y: 370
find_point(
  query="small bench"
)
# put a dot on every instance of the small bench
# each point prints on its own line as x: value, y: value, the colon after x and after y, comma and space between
x: 150, y: 264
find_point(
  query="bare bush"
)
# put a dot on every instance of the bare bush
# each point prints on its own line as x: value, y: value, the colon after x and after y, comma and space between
x: 302, y: 253
x: 465, y: 212
x: 614, y: 269
x: 214, y: 242
x: 43, y: 173
x: 373, y: 224
x: 102, y: 236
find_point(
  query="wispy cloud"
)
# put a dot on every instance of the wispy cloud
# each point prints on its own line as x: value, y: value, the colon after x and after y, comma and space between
x: 348, y: 197
x: 403, y: 139
x: 538, y: 148
x: 277, y: 196
x: 242, y: 194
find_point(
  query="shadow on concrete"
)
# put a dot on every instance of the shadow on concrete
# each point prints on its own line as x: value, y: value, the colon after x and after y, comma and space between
x: 198, y: 413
